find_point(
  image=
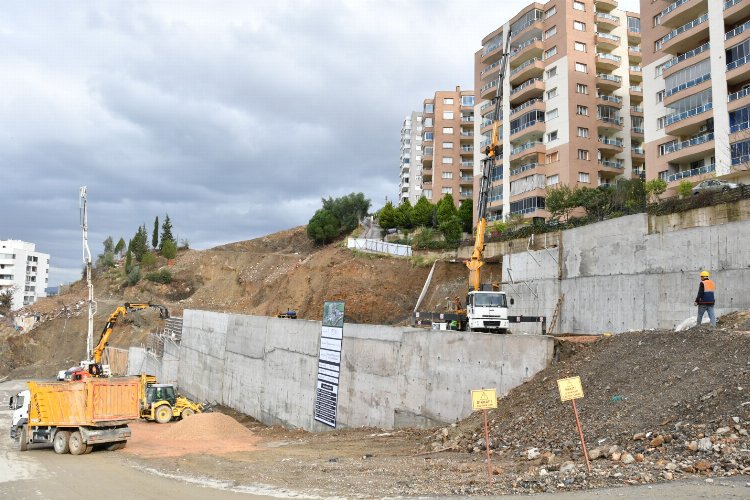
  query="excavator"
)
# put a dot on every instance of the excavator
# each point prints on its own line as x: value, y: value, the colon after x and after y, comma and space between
x: 486, y: 305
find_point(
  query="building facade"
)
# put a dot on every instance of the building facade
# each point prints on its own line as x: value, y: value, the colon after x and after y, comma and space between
x: 571, y: 112
x: 448, y: 146
x: 697, y: 126
x: 410, y: 184
x: 23, y: 270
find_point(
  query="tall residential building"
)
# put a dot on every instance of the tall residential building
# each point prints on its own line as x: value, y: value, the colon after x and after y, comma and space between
x: 448, y: 140
x: 572, y: 101
x: 410, y: 185
x: 23, y: 270
x: 697, y: 126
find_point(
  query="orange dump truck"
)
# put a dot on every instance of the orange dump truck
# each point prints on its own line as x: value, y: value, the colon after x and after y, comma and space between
x: 76, y: 416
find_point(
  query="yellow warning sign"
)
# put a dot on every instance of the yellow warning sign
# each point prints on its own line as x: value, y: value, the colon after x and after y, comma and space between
x: 570, y: 388
x: 483, y: 399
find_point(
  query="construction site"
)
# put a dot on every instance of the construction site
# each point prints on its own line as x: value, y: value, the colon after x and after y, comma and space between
x: 237, y: 334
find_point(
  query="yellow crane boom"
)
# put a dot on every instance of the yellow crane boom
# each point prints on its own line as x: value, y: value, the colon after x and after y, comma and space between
x: 112, y: 320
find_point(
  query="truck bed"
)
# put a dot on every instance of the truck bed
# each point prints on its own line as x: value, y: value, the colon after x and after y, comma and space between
x: 91, y: 402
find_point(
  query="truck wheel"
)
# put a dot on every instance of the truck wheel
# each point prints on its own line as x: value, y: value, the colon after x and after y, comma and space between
x: 60, y: 442
x: 187, y: 412
x: 24, y: 441
x: 163, y: 414
x: 89, y: 449
x: 77, y: 446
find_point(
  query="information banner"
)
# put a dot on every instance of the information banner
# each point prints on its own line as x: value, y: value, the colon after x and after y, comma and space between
x: 329, y: 363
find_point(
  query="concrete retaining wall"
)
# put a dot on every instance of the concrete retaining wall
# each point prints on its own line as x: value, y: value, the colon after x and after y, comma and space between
x: 631, y: 273
x: 391, y: 377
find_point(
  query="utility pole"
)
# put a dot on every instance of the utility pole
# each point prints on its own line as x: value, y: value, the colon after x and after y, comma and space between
x: 87, y: 261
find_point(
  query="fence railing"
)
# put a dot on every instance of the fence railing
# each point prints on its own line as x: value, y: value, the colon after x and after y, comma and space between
x: 377, y: 246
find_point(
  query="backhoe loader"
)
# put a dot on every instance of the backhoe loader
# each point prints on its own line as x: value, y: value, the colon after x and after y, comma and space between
x: 160, y: 402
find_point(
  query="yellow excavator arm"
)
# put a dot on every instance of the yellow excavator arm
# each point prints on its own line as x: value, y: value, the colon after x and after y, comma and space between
x: 477, y: 256
x: 112, y: 320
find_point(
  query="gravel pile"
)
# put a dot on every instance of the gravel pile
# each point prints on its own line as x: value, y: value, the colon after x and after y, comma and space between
x: 207, y: 426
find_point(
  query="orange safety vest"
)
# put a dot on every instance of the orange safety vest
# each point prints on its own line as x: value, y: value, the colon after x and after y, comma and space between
x: 708, y: 292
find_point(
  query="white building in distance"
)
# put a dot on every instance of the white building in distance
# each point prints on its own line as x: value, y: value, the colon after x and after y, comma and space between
x: 23, y: 270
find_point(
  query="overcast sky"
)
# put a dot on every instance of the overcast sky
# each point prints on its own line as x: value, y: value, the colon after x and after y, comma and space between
x: 235, y: 118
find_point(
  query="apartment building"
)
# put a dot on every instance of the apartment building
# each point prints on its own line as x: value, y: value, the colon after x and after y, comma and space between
x: 572, y: 108
x: 448, y: 146
x: 410, y: 184
x: 698, y: 126
x: 24, y: 270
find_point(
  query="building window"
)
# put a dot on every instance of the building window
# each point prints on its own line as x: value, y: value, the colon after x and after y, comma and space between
x: 467, y: 100
x: 448, y: 100
x: 582, y: 110
x: 427, y: 193
x: 580, y: 46
x: 447, y: 190
x: 552, y: 136
x: 581, y: 68
x: 550, y: 32
x: 428, y: 136
x: 551, y: 93
x: 550, y: 12
x: 553, y: 179
x: 447, y: 145
x: 447, y: 115
x: 552, y: 72
x: 660, y: 96
x: 583, y: 132
x: 583, y: 154
x: 552, y: 157
x: 447, y: 130
x: 581, y: 88
x: 583, y: 177
x: 447, y: 175
x: 660, y: 122
x: 447, y: 160
x: 657, y: 19
x: 579, y: 5
x: 578, y: 25
x: 428, y: 122
x: 429, y: 108
x: 551, y: 52
x: 552, y: 114
x: 634, y: 24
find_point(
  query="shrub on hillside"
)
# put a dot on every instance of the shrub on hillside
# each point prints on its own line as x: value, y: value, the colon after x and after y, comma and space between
x: 161, y: 276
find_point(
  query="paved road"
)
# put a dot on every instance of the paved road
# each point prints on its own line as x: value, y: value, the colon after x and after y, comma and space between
x: 42, y: 474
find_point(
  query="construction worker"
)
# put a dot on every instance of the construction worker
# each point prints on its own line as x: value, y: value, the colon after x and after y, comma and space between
x: 706, y: 299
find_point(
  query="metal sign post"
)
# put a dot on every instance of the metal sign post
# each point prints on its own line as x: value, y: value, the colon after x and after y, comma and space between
x: 570, y: 390
x: 484, y: 399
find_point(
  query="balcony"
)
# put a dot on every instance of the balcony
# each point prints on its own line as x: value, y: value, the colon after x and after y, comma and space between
x: 532, y: 47
x: 605, y: 5
x: 467, y: 164
x: 607, y: 62
x: 636, y: 110
x: 737, y: 71
x: 634, y: 35
x: 465, y: 195
x: 533, y: 68
x: 674, y: 65
x: 535, y: 127
x: 533, y: 147
x: 611, y: 100
x: 524, y: 168
x: 527, y: 90
x: 611, y: 146
x: 636, y: 73
x: 637, y: 152
x: 467, y: 119
x: 736, y: 10
x: 739, y: 99
x: 684, y: 174
x: 466, y: 150
x: 684, y: 86
x: 538, y: 104
x: 492, y: 52
x: 688, y: 121
x: 690, y: 150
x: 610, y: 168
x: 488, y: 90
x: 609, y: 124
x: 686, y: 36
x: 634, y: 54
x: 682, y: 11
x: 636, y: 91
x: 606, y: 20
x: 466, y: 135
x: 730, y: 35
x: 607, y: 41
x: 490, y: 71
x: 608, y: 82
x: 637, y: 131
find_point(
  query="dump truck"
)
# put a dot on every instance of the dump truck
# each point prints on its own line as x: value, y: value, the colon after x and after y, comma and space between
x: 74, y: 416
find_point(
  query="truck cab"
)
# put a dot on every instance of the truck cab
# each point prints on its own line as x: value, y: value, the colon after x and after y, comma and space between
x: 20, y: 406
x: 487, y: 311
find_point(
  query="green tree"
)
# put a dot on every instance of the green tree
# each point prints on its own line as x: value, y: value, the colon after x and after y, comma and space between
x: 685, y: 188
x: 387, y: 218
x: 595, y: 201
x: 129, y: 257
x: 155, y: 234
x: 169, y: 249
x: 403, y: 215
x: 6, y: 302
x: 323, y: 227
x: 451, y: 230
x: 348, y: 209
x: 139, y: 243
x: 148, y: 261
x: 466, y: 214
x: 134, y: 275
x: 166, y: 231
x: 120, y: 247
x: 654, y: 189
x: 559, y: 201
x: 108, y: 245
x: 423, y: 213
x: 446, y: 209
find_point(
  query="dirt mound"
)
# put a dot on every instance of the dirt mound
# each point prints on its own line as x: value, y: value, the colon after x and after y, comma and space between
x: 207, y: 426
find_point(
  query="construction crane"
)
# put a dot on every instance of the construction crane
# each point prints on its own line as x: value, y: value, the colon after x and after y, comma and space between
x: 84, y: 214
x: 492, y: 152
